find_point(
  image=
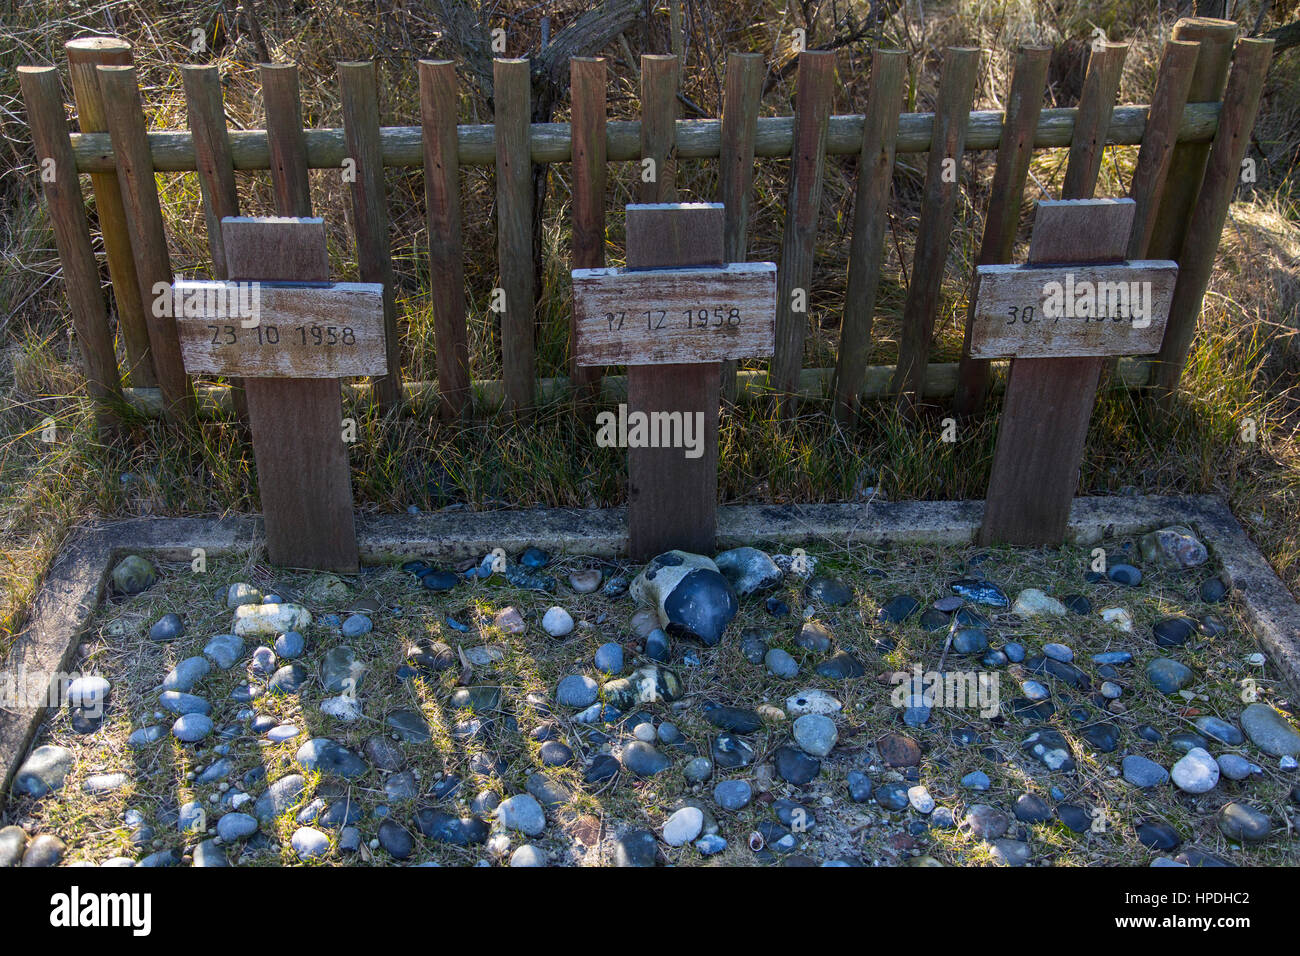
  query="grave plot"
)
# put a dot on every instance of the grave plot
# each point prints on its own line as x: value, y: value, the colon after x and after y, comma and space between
x: 760, y: 709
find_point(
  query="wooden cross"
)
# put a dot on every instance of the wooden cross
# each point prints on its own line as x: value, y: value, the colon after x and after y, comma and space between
x: 672, y: 317
x: 1058, y: 317
x: 306, y: 334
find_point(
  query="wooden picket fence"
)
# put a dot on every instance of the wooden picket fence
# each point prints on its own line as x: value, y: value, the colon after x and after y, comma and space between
x: 1192, y: 141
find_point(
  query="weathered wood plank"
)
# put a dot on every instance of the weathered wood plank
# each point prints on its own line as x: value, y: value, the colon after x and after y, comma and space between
x: 816, y: 82
x: 333, y: 330
x: 285, y: 140
x: 1091, y: 310
x: 360, y: 94
x: 173, y: 151
x: 1006, y: 196
x: 307, y: 511
x: 742, y: 96
x: 1173, y: 82
x: 515, y: 231
x: 84, y: 54
x: 587, y: 81
x: 443, y: 215
x: 1222, y: 173
x: 43, y: 97
x: 674, y: 315
x: 870, y: 215
x: 939, y: 202
x: 135, y: 173
x: 658, y: 183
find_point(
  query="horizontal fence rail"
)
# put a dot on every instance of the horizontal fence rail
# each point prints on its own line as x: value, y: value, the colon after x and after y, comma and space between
x: 403, y: 146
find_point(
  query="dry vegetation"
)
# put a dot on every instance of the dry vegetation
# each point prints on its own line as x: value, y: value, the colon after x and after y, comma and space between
x: 1244, y: 364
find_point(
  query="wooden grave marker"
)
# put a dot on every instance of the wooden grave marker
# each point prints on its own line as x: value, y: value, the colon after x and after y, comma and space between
x: 1074, y: 303
x: 672, y: 317
x: 303, y: 334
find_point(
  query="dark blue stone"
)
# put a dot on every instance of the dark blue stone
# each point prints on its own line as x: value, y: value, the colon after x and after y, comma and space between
x: 701, y: 605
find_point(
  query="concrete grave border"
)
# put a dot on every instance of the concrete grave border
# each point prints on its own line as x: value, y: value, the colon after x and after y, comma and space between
x: 76, y: 582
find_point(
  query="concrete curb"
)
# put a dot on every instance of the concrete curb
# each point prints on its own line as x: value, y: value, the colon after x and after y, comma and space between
x: 77, y: 579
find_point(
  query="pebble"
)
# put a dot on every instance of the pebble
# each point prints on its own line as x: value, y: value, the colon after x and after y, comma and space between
x: 1175, y: 547
x: 1216, y: 728
x: 224, y: 650
x: 1167, y: 675
x: 1213, y: 590
x: 609, y: 658
x: 733, y: 794
x: 1033, y: 602
x: 976, y: 780
x: 45, y: 850
x: 236, y: 826
x: 816, y: 734
x: 557, y: 622
x: 698, y: 770
x: 795, y: 766
x: 859, y: 786
x: 43, y: 771
x: 635, y: 848
x: 309, y: 843
x: 1235, y: 767
x: 749, y: 570
x: 1059, y: 652
x: 780, y: 664
x: 290, y: 644
x: 828, y: 591
x: 1118, y: 618
x: 186, y: 674
x: 920, y: 799
x: 812, y: 701
x: 1142, y: 772
x: 683, y: 826
x: 528, y: 855
x: 644, y: 760
x: 191, y: 728
x: 167, y: 628
x: 357, y: 625
x: 132, y: 575
x: 576, y: 690
x: 1270, y: 731
x: 522, y: 812
x: 90, y: 691
x: 1196, y: 772
x: 240, y: 593
x: 1124, y: 574
x: 1243, y: 823
x: 584, y: 582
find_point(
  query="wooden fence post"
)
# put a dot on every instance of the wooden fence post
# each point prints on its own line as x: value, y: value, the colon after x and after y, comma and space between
x: 947, y: 146
x: 1159, y: 140
x: 84, y: 54
x: 1222, y: 174
x: 588, y: 77
x: 57, y: 171
x: 870, y: 213
x: 1006, y: 197
x: 360, y: 95
x: 446, y: 255
x: 816, y: 81
x: 135, y: 175
x: 216, y: 169
x: 1187, y: 165
x: 658, y: 182
x: 289, y: 179
x: 511, y: 91
x: 741, y: 98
